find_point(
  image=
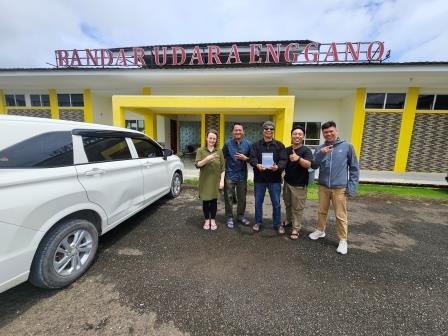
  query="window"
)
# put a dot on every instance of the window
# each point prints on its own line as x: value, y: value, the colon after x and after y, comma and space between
x: 441, y: 102
x: 425, y: 102
x: 40, y: 100
x: 106, y: 149
x: 147, y: 149
x: 312, y: 133
x: 432, y: 102
x: 138, y: 125
x: 70, y: 100
x: 48, y: 150
x: 15, y: 100
x: 385, y: 100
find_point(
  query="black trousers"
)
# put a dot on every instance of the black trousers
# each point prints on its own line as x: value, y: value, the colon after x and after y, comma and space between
x: 210, y: 208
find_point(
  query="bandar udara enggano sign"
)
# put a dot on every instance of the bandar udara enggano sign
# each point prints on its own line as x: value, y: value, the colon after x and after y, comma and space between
x: 230, y: 54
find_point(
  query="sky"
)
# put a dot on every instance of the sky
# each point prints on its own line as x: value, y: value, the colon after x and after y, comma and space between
x: 30, y: 31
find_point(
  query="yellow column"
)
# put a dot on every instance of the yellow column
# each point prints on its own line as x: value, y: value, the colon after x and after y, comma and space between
x: 150, y: 119
x: 117, y: 114
x: 283, y: 120
x: 53, y: 104
x: 221, y: 130
x: 359, y: 115
x: 2, y: 103
x: 203, y: 130
x: 150, y: 125
x: 88, y: 112
x: 407, y: 126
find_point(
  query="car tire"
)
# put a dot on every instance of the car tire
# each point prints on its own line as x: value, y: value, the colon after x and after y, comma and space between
x: 64, y: 254
x: 176, y: 185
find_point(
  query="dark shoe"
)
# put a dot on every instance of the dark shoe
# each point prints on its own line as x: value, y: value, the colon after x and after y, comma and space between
x: 230, y: 224
x: 244, y: 221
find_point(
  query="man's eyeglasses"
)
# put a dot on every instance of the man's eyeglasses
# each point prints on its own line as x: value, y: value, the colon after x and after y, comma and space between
x: 269, y: 128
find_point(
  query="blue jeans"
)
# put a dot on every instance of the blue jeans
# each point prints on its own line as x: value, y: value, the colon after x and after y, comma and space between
x: 274, y: 193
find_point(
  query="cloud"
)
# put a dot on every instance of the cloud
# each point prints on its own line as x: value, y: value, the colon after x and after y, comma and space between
x: 414, y: 30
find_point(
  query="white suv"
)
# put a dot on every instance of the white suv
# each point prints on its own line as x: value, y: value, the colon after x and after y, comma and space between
x: 62, y: 184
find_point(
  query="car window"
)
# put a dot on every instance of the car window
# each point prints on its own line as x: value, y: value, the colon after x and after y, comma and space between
x: 47, y: 150
x: 100, y: 149
x: 147, y: 149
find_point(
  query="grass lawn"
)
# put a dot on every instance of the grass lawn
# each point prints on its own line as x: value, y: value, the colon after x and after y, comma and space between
x: 366, y: 189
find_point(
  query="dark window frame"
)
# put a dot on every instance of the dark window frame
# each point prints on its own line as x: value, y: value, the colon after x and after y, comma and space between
x: 385, y: 101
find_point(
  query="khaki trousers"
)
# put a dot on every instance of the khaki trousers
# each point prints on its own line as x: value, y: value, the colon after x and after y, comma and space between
x: 339, y: 201
x: 295, y: 199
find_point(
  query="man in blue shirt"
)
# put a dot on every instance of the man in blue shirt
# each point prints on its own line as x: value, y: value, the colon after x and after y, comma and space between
x: 236, y: 152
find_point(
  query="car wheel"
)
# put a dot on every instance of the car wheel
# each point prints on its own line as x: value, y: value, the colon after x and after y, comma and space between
x: 64, y: 254
x: 176, y: 184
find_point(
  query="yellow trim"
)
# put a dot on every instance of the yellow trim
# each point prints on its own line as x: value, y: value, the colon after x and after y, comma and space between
x: 406, y: 129
x: 146, y: 91
x: 359, y: 115
x: 88, y: 111
x: 270, y: 105
x: 221, y: 130
x: 53, y: 104
x: 283, y: 91
x: 385, y: 110
x: 27, y: 108
x: 203, y: 130
x: 431, y: 111
x: 2, y: 103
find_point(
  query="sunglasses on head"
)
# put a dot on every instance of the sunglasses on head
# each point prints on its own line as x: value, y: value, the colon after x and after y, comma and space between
x: 269, y: 128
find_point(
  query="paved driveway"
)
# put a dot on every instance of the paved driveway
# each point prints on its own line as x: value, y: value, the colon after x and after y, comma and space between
x: 161, y: 274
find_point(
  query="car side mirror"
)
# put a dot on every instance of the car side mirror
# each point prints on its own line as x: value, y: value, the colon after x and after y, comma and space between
x: 167, y: 152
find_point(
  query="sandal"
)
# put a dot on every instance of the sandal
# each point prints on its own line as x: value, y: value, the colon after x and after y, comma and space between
x: 213, y: 225
x: 294, y: 234
x: 206, y: 225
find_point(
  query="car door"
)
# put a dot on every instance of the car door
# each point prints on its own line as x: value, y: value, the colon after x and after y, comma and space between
x: 156, y: 179
x: 111, y: 177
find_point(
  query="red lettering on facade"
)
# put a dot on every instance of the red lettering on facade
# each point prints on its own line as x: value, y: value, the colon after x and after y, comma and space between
x: 121, y: 58
x: 139, y: 56
x: 379, y: 51
x: 75, y: 58
x: 255, y: 53
x: 110, y: 57
x: 62, y: 56
x: 274, y: 53
x: 332, y: 52
x: 157, y: 56
x: 183, y: 55
x: 234, y: 54
x: 287, y: 54
x: 213, y: 55
x: 196, y: 55
x: 349, y: 49
x: 315, y: 53
x: 91, y: 58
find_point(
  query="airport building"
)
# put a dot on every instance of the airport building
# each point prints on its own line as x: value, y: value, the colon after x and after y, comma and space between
x: 395, y: 114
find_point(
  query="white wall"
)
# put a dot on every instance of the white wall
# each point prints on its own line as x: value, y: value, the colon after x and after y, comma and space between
x: 346, y: 117
x: 102, y: 109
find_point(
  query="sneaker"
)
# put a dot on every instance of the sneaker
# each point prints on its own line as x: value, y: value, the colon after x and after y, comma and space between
x: 256, y: 227
x: 342, y: 248
x: 316, y: 235
x: 230, y: 224
x: 281, y: 229
x: 244, y: 221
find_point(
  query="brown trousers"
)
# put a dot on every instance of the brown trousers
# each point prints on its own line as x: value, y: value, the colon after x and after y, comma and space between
x: 295, y: 199
x: 339, y: 201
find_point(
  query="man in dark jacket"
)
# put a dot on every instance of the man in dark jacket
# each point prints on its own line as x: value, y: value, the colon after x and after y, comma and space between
x: 268, y: 158
x: 338, y: 178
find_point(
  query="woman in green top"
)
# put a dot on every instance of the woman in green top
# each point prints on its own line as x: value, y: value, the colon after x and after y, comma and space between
x: 210, y: 161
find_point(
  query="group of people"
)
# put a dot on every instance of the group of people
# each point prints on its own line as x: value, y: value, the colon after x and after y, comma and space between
x: 226, y: 170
